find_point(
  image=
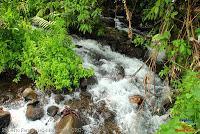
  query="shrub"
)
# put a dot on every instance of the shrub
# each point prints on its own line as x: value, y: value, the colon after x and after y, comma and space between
x: 44, y: 55
x: 186, y: 110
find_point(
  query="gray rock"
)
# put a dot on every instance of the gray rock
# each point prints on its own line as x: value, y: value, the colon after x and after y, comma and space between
x: 33, y: 102
x: 5, y: 119
x: 29, y: 94
x: 69, y: 124
x: 103, y: 110
x: 34, y: 112
x: 120, y: 72
x: 108, y: 115
x: 84, y: 82
x: 92, y: 80
x: 85, y: 94
x: 59, y: 98
x: 52, y: 111
x: 32, y: 131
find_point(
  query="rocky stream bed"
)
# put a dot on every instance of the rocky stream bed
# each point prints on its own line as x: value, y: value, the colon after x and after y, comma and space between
x: 106, y: 103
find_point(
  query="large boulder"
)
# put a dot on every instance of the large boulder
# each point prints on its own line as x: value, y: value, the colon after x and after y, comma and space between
x: 52, y: 110
x: 69, y: 124
x: 5, y: 118
x: 34, y: 112
x: 29, y: 94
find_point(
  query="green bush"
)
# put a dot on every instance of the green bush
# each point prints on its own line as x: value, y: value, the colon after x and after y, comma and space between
x: 186, y: 107
x: 44, y: 55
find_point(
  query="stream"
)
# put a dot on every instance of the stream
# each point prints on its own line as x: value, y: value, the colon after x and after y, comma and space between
x: 119, y: 77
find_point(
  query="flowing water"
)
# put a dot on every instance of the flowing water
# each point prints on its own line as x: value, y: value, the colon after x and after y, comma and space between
x: 112, y: 88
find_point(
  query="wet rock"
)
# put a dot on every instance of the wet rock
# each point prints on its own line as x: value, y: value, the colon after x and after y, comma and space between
x: 131, y: 51
x: 85, y: 94
x: 33, y: 102
x: 92, y: 80
x: 163, y: 105
x: 136, y: 99
x: 29, y: 94
x: 74, y: 103
x: 108, y: 115
x: 102, y: 71
x: 69, y: 124
x: 4, y: 99
x: 84, y: 82
x: 118, y: 40
x: 103, y: 110
x: 108, y: 21
x: 101, y: 104
x: 5, y: 119
x: 120, y: 72
x: 111, y: 127
x: 59, y: 98
x: 34, y: 112
x: 32, y: 131
x: 7, y: 97
x: 53, y: 90
x: 97, y: 57
x: 52, y: 111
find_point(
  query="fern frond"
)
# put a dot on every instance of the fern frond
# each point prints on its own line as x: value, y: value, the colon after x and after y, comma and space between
x: 41, y: 12
x: 38, y: 21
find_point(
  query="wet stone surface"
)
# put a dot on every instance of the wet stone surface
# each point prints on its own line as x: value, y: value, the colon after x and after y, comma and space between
x: 5, y: 119
x: 52, y: 110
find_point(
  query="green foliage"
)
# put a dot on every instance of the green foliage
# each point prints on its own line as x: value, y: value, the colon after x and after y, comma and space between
x: 187, y: 106
x: 174, y: 34
x: 175, y: 126
x: 158, y: 10
x: 164, y: 72
x: 81, y: 14
x: 181, y: 47
x: 197, y: 31
x: 177, y: 48
x: 139, y: 40
x: 49, y: 58
x: 160, y: 41
x: 44, y: 55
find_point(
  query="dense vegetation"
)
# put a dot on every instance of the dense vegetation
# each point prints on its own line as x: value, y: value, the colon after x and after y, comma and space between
x: 176, y: 31
x: 45, y: 53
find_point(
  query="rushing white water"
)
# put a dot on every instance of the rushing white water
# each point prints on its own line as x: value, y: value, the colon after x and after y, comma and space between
x: 115, y: 92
